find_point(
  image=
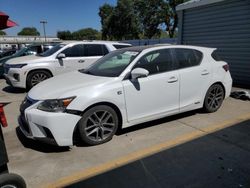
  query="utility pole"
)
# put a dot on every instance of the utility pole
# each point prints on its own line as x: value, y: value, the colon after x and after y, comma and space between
x: 44, y: 22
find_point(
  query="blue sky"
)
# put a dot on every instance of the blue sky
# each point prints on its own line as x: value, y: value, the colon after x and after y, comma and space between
x: 60, y: 14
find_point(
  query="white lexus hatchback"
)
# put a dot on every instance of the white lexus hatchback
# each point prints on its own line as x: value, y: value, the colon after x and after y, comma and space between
x: 124, y: 88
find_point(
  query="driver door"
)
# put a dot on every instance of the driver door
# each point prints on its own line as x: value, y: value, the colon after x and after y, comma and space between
x: 154, y: 95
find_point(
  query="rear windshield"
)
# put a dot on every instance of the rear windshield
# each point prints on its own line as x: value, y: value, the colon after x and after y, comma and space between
x: 119, y: 46
x: 215, y: 56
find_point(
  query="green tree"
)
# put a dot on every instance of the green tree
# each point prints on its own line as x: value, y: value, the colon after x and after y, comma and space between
x: 64, y: 35
x: 170, y: 15
x: 131, y: 19
x: 29, y: 31
x: 86, y: 34
x: 150, y: 14
x: 124, y: 21
x: 105, y: 13
x: 2, y: 33
x: 82, y: 34
x: 119, y: 22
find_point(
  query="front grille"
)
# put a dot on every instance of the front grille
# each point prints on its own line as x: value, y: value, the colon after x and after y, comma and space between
x: 24, y: 124
x: 6, y: 68
x: 26, y: 103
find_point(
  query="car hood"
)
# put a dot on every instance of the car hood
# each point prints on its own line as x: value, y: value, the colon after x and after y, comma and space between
x: 23, y: 59
x: 65, y: 84
x: 4, y: 59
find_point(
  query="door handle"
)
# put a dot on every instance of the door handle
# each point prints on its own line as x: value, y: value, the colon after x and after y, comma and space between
x: 172, y: 79
x: 81, y: 61
x: 204, y: 72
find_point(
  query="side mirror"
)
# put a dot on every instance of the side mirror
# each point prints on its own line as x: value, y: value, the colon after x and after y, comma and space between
x: 60, y: 56
x: 139, y: 73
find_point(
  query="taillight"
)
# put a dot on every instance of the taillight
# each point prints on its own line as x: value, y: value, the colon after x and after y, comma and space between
x: 226, y: 67
x: 2, y: 117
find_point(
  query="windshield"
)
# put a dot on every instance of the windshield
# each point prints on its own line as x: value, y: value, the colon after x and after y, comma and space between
x: 20, y: 52
x: 113, y: 64
x: 52, y: 50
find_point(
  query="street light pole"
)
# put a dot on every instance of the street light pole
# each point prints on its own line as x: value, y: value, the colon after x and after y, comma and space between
x: 44, y: 22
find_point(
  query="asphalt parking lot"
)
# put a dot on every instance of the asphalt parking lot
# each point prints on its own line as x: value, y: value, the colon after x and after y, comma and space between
x: 193, y: 149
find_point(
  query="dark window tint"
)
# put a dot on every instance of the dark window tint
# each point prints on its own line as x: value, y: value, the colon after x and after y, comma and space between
x: 188, y: 57
x: 215, y: 56
x: 156, y: 62
x: 74, y: 51
x: 119, y: 46
x: 95, y: 50
x: 105, y: 50
x: 36, y: 49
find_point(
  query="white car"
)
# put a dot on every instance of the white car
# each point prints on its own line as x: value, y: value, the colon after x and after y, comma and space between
x: 27, y: 71
x: 126, y: 87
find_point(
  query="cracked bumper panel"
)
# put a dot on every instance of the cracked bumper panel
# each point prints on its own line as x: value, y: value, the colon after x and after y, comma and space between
x: 49, y: 126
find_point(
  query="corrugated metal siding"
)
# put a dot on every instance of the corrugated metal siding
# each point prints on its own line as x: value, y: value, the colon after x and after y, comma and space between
x: 226, y: 26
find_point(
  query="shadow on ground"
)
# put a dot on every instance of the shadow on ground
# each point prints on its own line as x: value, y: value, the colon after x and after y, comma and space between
x: 220, y: 159
x: 9, y: 89
x: 78, y: 142
x: 39, y: 146
x: 157, y: 122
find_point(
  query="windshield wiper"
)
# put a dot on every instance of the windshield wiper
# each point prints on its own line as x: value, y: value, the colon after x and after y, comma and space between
x: 85, y: 71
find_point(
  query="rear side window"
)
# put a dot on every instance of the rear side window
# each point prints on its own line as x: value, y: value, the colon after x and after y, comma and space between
x: 188, y: 57
x: 74, y: 51
x: 95, y: 50
x: 119, y: 46
x: 215, y: 56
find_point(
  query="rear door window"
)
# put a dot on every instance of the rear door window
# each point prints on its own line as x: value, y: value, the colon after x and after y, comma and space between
x: 119, y: 46
x: 187, y: 57
x: 95, y: 50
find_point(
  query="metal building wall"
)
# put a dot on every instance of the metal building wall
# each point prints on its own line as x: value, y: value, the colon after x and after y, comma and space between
x: 224, y: 25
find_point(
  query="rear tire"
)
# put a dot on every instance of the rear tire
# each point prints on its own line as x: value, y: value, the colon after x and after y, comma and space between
x: 214, y: 98
x: 11, y: 181
x: 36, y: 77
x: 98, y: 125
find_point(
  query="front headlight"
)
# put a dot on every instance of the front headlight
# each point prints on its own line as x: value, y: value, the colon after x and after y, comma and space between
x: 55, y: 105
x: 14, y: 65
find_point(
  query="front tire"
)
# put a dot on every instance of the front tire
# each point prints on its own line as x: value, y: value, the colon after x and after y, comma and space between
x: 11, y: 181
x: 214, y: 98
x: 98, y: 125
x: 36, y: 77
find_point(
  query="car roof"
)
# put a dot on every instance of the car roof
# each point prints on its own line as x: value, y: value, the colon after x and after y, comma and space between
x: 160, y: 46
x: 93, y: 42
x: 42, y: 44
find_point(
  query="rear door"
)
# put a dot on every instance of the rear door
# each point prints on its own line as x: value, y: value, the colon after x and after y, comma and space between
x: 92, y: 52
x: 73, y: 59
x: 194, y: 74
x: 80, y: 56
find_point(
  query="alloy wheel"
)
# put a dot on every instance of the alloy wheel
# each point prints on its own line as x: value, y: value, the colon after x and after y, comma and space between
x: 100, y: 125
x: 37, y: 78
x: 215, y: 97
